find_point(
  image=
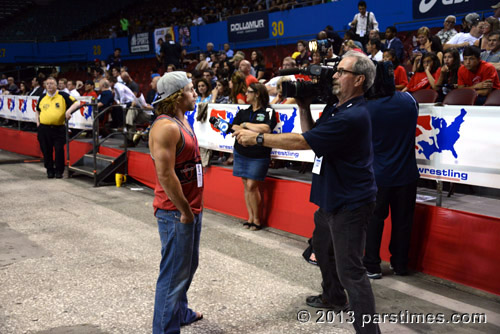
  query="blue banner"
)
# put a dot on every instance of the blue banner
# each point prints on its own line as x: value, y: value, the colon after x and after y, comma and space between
x: 248, y: 27
x: 434, y: 8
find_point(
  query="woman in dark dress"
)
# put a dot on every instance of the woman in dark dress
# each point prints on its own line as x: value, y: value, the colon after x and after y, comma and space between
x: 251, y: 162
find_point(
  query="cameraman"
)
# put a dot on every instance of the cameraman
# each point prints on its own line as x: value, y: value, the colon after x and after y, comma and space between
x: 343, y: 186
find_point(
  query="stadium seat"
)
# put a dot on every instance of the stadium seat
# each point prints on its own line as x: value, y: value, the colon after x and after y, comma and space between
x: 493, y: 98
x: 425, y: 95
x: 461, y: 96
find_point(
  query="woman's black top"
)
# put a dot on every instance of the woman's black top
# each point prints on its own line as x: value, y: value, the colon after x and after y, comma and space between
x: 262, y: 116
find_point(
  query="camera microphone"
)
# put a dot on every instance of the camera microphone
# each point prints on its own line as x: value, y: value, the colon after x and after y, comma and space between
x: 221, y: 124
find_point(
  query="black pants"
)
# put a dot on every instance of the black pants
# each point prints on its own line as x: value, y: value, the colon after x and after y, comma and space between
x: 401, y: 201
x: 52, y: 137
x: 339, y: 242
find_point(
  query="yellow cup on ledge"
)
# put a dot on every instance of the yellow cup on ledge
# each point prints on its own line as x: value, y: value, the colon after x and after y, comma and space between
x: 120, y: 179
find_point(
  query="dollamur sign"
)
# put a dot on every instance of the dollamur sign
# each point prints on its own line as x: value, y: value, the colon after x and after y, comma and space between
x: 248, y: 27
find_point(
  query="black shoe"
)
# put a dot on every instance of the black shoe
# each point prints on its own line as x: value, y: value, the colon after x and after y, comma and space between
x: 319, y: 302
x: 59, y: 176
x: 50, y: 175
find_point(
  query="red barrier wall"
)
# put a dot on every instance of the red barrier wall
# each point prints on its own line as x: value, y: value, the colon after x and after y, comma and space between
x: 458, y: 246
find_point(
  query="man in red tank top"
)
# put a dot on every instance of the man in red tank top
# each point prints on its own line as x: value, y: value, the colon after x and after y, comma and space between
x: 178, y: 201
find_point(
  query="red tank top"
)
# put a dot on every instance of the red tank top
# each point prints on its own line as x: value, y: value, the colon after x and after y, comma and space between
x: 186, y: 159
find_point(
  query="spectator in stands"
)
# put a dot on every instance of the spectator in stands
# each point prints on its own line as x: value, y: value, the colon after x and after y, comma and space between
x: 98, y: 75
x: 350, y: 45
x: 198, y: 20
x: 36, y: 87
x: 72, y: 88
x: 363, y: 22
x: 138, y: 113
x: 124, y: 24
x: 487, y: 27
x: 493, y: 55
x: 170, y: 68
x: 227, y: 50
x: 23, y: 89
x: 221, y: 93
x: 400, y: 77
x: 447, y: 75
x: 115, y: 72
x: 237, y: 58
x: 130, y: 83
x: 153, y: 93
x: 373, y: 49
x: 393, y: 42
x: 209, y: 75
x: 334, y: 38
x: 89, y: 89
x: 238, y: 88
x: 203, y: 89
x: 210, y: 49
x: 3, y: 81
x: 350, y: 36
x: 448, y: 30
x: 477, y: 74
x: 158, y: 49
x: 123, y: 95
x: 461, y: 40
x: 170, y: 52
x: 374, y: 34
x: 425, y: 74
x: 423, y: 40
x: 244, y: 68
x: 258, y: 64
x: 271, y: 85
x: 302, y: 53
x: 62, y: 85
x: 316, y: 58
x: 105, y: 98
x: 251, y: 162
x: 11, y: 87
x: 114, y: 59
x: 280, y: 98
x: 52, y: 110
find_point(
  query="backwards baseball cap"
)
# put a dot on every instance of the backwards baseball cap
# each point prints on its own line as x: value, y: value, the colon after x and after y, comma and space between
x: 472, y: 18
x: 170, y: 83
x: 496, y: 6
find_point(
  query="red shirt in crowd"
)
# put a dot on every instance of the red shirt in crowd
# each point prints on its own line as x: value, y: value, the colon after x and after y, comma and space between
x: 92, y: 93
x: 250, y: 79
x: 484, y: 72
x: 420, y: 81
x: 400, y: 77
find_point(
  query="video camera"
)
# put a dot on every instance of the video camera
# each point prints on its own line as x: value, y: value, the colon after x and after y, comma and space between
x: 320, y: 86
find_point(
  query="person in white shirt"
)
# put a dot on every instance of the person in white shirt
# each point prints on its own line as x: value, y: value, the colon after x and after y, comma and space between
x: 72, y: 89
x: 461, y: 40
x: 363, y: 22
x: 61, y: 85
x: 124, y: 96
x: 373, y: 49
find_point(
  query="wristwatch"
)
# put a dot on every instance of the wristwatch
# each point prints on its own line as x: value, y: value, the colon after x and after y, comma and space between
x: 244, y: 125
x: 260, y: 139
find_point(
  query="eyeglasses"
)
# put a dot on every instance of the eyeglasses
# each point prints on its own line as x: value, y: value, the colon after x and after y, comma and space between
x: 250, y: 91
x: 341, y: 71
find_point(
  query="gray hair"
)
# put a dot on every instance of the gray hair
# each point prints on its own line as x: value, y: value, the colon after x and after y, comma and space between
x: 450, y: 17
x: 364, y: 66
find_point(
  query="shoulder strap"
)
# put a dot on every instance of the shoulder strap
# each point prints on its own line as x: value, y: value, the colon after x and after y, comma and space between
x: 178, y: 126
x: 368, y: 22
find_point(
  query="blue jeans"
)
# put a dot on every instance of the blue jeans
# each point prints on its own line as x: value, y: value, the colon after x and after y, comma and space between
x: 180, y: 245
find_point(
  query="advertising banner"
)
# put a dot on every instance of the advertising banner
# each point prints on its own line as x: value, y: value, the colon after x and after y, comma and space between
x: 459, y: 144
x: 23, y: 108
x: 436, y: 8
x: 248, y: 27
x: 140, y: 43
